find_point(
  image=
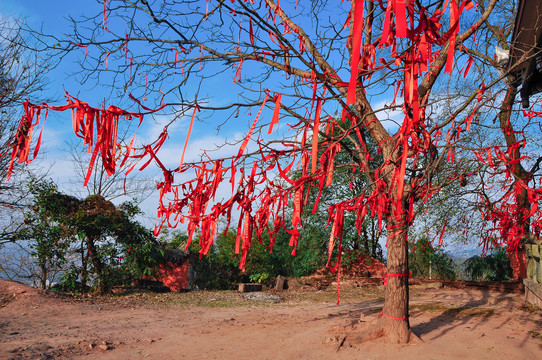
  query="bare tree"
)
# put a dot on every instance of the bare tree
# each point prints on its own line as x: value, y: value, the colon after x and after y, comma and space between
x: 22, y: 76
x: 327, y: 69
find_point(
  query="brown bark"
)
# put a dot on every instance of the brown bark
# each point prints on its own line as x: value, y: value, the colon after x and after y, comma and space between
x: 44, y: 273
x: 393, y: 322
x: 394, y: 319
x: 519, y: 270
x: 84, y: 269
x: 97, y: 264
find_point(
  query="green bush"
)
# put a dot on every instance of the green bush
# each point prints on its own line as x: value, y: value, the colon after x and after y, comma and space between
x: 219, y: 269
x: 425, y: 261
x: 493, y: 267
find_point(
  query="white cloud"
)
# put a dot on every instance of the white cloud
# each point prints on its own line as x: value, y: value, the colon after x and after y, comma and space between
x: 391, y: 117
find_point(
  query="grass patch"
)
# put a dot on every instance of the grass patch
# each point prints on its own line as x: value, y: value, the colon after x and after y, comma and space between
x: 453, y: 311
x: 536, y: 335
x: 231, y: 298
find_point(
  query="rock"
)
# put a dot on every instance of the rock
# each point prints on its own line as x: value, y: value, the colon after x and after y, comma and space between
x: 249, y: 287
x: 294, y: 284
x: 91, y: 346
x: 261, y: 296
x: 104, y: 347
x: 281, y: 284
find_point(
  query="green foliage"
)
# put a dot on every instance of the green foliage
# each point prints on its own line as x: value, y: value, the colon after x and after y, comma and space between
x: 493, y: 267
x: 259, y: 278
x: 69, y: 280
x: 48, y: 239
x: 219, y: 269
x: 114, y: 249
x: 426, y: 262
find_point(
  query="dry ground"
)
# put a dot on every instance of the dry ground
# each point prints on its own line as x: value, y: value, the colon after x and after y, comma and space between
x: 300, y: 323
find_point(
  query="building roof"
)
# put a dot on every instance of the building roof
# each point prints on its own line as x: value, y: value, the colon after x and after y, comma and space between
x: 527, y: 32
x: 526, y: 43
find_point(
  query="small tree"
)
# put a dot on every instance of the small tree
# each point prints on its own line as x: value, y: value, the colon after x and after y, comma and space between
x: 493, y: 267
x: 109, y: 242
x: 49, y: 240
x: 427, y: 262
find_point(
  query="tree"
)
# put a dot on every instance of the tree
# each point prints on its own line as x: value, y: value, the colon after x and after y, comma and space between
x: 428, y: 262
x: 315, y: 61
x: 506, y: 160
x: 22, y: 75
x: 108, y: 240
x: 49, y: 240
x: 493, y: 267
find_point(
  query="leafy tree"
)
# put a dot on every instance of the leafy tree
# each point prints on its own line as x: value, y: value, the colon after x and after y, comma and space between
x: 493, y: 267
x: 427, y: 262
x: 112, y: 246
x: 49, y: 240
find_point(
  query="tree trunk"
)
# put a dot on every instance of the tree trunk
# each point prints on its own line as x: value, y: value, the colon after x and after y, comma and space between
x: 43, y: 277
x: 374, y: 238
x: 516, y: 256
x: 84, y: 269
x: 394, y: 318
x: 366, y: 240
x: 97, y: 264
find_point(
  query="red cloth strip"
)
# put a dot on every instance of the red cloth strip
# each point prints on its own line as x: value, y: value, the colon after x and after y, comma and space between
x: 386, y: 276
x: 196, y: 108
x: 392, y: 317
x: 249, y: 135
x: 356, y: 48
x: 314, y: 154
x: 276, y: 111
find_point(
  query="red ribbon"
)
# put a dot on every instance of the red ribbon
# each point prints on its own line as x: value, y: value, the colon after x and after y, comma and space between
x: 249, y: 135
x: 356, y: 48
x: 386, y: 276
x: 393, y: 317
x: 196, y: 108
x: 315, y: 135
x: 275, y: 120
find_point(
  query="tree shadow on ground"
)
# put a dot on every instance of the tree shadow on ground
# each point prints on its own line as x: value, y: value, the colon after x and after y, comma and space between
x: 478, y: 309
x: 439, y: 312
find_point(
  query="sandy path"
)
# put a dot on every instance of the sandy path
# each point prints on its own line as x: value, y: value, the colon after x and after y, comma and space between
x: 466, y: 324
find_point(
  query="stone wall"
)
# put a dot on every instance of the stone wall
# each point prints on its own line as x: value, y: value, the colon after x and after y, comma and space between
x: 533, y: 281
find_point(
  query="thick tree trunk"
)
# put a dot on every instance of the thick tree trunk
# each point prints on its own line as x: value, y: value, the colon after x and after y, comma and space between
x: 394, y: 319
x: 393, y: 323
x: 517, y: 257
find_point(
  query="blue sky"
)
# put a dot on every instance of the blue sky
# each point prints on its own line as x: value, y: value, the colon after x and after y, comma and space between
x: 51, y: 16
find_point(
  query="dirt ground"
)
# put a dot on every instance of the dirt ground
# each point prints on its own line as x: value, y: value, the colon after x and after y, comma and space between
x: 299, y: 323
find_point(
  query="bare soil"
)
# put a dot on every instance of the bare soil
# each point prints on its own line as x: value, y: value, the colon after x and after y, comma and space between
x: 302, y: 322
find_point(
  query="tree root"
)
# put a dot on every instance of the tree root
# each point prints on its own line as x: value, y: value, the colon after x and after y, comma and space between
x: 375, y: 330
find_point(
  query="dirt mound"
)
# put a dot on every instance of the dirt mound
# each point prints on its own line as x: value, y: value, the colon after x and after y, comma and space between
x: 12, y: 290
x: 355, y: 264
x: 362, y: 268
